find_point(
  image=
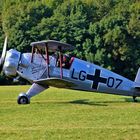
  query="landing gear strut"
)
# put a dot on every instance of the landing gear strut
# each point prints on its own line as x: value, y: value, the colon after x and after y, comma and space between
x: 134, y: 98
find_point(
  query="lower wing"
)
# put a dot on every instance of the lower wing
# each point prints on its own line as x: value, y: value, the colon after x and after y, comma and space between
x: 55, y: 82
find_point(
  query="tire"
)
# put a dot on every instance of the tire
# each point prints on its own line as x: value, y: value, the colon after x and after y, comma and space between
x: 23, y: 99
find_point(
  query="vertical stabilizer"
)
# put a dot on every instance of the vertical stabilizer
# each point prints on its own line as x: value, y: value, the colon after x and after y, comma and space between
x: 137, y: 79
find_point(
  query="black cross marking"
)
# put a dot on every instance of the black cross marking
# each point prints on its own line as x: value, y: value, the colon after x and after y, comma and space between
x: 96, y: 79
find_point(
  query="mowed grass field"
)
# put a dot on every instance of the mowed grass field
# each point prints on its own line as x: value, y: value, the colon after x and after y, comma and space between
x: 60, y: 114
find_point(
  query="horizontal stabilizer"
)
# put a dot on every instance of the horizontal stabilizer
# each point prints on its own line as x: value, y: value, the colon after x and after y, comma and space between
x: 137, y: 86
x: 55, y: 82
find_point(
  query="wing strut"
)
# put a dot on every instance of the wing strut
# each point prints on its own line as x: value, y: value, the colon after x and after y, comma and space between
x: 47, y: 60
x: 60, y: 57
x: 32, y: 55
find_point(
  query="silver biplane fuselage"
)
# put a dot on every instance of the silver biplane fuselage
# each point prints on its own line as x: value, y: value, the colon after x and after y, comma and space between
x: 83, y: 75
x: 42, y: 70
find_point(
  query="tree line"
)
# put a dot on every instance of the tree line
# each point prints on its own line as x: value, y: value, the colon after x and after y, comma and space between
x: 104, y: 32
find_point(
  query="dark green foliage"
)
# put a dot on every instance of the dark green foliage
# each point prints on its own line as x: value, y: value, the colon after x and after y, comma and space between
x: 106, y: 32
x: 18, y: 21
x: 113, y: 40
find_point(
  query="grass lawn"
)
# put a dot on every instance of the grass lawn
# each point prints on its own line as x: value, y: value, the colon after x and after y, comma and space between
x: 59, y: 114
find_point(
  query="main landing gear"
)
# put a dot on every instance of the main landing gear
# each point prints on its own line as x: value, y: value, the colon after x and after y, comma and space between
x: 134, y: 99
x: 35, y: 89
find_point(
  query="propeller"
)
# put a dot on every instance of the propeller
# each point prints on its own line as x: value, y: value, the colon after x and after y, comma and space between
x: 3, y: 54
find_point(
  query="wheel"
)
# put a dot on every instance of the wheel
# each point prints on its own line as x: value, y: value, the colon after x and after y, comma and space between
x: 134, y: 99
x: 23, y: 99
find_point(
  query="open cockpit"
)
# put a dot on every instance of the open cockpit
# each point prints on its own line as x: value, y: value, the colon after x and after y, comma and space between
x: 52, y: 54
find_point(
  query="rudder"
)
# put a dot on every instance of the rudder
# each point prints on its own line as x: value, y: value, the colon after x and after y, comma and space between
x: 137, y: 78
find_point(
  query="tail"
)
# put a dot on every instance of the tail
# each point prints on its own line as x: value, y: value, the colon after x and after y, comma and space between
x: 137, y: 79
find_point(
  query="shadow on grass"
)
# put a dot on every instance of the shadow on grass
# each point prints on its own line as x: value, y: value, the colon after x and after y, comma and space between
x: 87, y: 102
x: 102, y: 103
x: 80, y: 102
x: 131, y: 100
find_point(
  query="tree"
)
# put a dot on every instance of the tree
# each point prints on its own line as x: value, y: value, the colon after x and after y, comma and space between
x: 68, y: 24
x: 106, y: 32
x: 111, y: 37
x: 18, y: 25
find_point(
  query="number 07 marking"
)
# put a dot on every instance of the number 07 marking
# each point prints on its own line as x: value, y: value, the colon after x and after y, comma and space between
x: 114, y: 82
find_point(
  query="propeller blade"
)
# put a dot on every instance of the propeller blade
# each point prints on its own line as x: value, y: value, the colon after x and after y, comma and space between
x: 3, y: 53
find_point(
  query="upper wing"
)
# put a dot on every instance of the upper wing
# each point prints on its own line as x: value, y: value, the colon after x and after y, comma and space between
x: 53, y: 45
x: 55, y: 82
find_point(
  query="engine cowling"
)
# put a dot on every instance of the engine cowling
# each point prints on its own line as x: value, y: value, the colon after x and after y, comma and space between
x: 11, y: 62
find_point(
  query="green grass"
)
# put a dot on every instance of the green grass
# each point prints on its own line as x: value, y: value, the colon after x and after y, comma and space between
x: 59, y: 114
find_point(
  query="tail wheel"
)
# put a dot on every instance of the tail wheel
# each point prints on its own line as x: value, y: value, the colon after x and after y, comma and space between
x: 134, y: 98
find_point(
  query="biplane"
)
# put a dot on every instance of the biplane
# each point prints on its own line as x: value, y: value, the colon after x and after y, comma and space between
x: 45, y: 66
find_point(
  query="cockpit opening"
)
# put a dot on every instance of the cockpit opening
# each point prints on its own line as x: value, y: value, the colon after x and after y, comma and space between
x: 66, y: 61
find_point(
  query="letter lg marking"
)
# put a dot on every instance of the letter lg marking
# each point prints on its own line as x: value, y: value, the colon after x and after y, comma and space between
x: 78, y: 76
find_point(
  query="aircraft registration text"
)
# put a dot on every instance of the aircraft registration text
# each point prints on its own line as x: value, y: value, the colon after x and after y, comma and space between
x: 111, y: 82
